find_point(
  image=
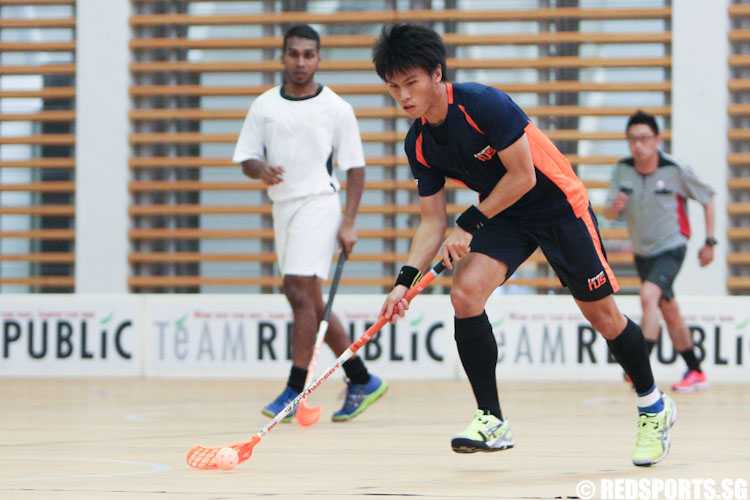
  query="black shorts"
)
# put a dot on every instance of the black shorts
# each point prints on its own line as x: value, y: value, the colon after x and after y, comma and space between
x: 573, y: 249
x: 661, y: 269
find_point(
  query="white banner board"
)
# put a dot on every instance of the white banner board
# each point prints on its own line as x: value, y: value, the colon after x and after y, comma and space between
x: 249, y: 336
x: 243, y: 336
x: 547, y: 338
x: 71, y: 335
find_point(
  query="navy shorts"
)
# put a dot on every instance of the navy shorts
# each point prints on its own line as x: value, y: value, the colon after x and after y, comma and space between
x: 661, y: 269
x: 573, y: 249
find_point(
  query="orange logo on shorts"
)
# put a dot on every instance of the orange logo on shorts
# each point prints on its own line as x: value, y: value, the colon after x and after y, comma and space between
x: 597, y: 281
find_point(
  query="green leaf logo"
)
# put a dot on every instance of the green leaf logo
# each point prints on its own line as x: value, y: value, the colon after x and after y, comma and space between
x: 417, y: 321
x: 498, y: 322
x: 743, y: 324
x: 180, y: 321
x: 106, y: 320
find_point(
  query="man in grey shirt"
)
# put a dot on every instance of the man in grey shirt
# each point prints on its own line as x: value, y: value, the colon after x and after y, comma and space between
x: 651, y: 190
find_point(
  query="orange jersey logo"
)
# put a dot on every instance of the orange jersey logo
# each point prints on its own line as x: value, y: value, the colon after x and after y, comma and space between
x: 485, y: 154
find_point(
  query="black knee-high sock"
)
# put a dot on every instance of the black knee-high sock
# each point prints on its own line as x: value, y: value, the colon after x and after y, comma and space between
x: 650, y: 344
x: 477, y: 349
x: 690, y: 360
x: 356, y: 371
x: 297, y: 378
x: 629, y: 349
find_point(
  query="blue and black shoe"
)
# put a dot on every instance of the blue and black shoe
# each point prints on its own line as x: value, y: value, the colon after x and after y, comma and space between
x: 272, y: 409
x: 359, y: 397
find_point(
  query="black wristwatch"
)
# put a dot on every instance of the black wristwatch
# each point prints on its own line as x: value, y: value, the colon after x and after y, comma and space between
x: 711, y: 241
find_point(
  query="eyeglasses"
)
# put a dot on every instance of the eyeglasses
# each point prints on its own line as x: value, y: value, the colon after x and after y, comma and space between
x: 639, y: 138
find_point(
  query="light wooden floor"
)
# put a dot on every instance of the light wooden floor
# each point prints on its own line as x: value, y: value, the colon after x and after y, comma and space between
x: 127, y: 439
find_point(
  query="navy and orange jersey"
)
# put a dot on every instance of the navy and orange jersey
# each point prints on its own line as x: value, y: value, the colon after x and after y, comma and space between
x: 481, y: 121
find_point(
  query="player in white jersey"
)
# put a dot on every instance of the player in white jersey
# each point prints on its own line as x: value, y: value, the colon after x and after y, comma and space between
x: 650, y: 189
x: 292, y: 138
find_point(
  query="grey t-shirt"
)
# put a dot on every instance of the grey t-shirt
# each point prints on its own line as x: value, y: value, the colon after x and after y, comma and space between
x: 656, y: 212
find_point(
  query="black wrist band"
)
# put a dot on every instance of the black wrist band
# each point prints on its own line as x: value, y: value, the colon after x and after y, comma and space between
x: 472, y: 220
x: 408, y: 276
x: 711, y: 241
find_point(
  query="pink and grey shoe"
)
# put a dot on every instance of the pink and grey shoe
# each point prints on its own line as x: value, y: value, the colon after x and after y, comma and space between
x: 691, y: 381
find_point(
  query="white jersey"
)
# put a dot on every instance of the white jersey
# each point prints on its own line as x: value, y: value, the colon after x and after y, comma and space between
x: 304, y: 136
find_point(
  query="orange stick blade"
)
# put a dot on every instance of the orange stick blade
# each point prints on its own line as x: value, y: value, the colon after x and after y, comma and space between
x: 200, y: 457
x: 307, y: 416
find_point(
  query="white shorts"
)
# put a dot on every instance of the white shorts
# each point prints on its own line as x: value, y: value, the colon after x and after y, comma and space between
x: 305, y: 232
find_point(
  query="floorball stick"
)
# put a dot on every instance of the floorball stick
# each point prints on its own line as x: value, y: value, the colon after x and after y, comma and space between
x: 200, y: 457
x: 306, y: 415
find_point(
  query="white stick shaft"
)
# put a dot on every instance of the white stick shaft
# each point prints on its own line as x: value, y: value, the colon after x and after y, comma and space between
x: 316, y: 351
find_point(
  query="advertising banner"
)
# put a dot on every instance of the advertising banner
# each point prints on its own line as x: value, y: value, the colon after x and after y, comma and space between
x: 70, y: 335
x: 249, y: 336
x: 547, y: 338
x: 538, y: 338
x: 244, y: 336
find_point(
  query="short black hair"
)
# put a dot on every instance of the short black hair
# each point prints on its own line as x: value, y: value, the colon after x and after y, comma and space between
x: 642, y: 118
x: 404, y: 46
x: 302, y: 31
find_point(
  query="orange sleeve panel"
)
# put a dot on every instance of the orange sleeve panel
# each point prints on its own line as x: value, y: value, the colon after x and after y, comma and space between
x: 553, y: 164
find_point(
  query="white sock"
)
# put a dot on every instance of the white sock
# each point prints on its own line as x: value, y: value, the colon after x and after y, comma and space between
x: 649, y: 399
